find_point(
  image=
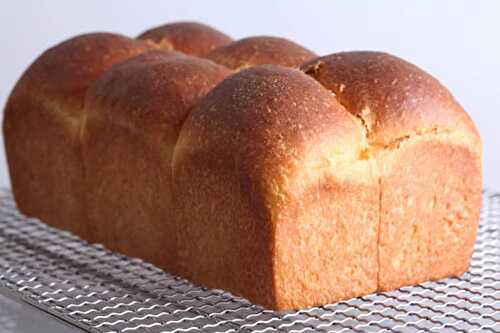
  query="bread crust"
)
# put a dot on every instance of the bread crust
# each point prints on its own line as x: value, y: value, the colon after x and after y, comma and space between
x: 42, y: 122
x: 430, y: 202
x: 187, y: 37
x: 428, y: 153
x: 133, y: 115
x: 395, y: 99
x: 63, y: 73
x: 261, y: 50
x: 254, y: 231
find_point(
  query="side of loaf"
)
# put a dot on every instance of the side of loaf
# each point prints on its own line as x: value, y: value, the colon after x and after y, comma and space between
x: 253, y: 165
x: 42, y: 121
x: 134, y: 113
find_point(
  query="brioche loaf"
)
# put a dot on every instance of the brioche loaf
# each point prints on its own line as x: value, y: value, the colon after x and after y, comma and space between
x: 261, y: 169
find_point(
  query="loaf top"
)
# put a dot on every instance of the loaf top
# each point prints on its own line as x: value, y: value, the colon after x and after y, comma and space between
x: 270, y: 121
x: 277, y: 123
x: 389, y: 99
x: 187, y: 37
x: 153, y: 90
x: 394, y: 99
x: 64, y: 72
x: 261, y: 50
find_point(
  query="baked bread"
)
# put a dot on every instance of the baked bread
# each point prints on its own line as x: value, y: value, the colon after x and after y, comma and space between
x: 187, y: 37
x: 134, y: 113
x: 261, y: 50
x: 292, y: 218
x: 42, y: 121
x: 288, y: 179
x: 320, y: 196
x: 428, y: 153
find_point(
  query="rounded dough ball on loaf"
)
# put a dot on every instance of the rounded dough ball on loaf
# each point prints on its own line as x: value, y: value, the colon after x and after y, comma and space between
x: 261, y: 50
x: 187, y: 37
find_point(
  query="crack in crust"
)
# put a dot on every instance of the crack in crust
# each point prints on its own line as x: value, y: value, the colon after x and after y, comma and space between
x: 397, y: 142
x: 163, y: 44
x: 312, y: 70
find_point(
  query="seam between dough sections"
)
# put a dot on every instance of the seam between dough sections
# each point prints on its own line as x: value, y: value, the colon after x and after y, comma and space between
x: 365, y: 154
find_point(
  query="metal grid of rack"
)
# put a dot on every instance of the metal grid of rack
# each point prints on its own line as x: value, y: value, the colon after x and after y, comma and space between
x: 101, y: 291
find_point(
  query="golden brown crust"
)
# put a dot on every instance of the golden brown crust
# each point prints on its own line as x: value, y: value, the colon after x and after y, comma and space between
x: 64, y: 72
x: 154, y: 89
x: 430, y: 200
x: 44, y: 161
x: 245, y: 146
x: 429, y: 163
x: 273, y: 108
x: 326, y: 239
x: 42, y: 123
x: 134, y: 113
x: 187, y: 37
x: 261, y: 50
x: 394, y: 98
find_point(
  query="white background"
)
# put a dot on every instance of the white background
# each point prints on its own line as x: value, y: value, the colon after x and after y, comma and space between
x: 456, y: 41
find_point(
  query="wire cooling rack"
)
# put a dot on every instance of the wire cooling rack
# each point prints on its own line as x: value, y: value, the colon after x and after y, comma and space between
x: 101, y: 291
